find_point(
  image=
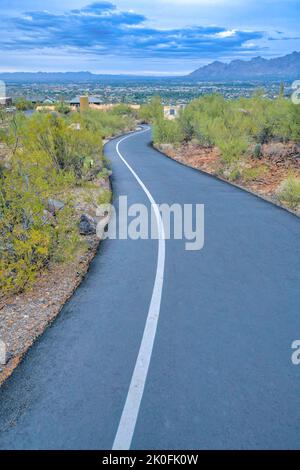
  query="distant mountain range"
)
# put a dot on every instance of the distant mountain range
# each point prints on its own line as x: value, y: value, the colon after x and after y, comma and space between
x: 58, y: 77
x: 287, y: 67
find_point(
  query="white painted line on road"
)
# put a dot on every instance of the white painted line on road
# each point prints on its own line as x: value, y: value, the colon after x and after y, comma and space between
x: 135, y: 393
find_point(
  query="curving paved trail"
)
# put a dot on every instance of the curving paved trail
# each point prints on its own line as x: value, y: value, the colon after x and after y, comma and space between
x: 220, y: 374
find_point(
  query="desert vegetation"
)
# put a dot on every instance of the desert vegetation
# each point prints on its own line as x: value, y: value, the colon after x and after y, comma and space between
x: 250, y: 140
x: 46, y: 162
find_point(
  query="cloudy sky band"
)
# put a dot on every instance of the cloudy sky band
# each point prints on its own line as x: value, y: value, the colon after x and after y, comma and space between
x: 140, y: 38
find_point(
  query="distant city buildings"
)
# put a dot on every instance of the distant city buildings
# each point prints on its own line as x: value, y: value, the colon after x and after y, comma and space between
x: 91, y: 100
x: 173, y: 92
x: 39, y: 99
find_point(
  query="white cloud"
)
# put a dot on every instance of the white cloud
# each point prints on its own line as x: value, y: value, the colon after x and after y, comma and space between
x: 226, y: 34
x: 248, y: 45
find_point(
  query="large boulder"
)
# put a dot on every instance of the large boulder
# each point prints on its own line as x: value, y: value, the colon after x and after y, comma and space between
x: 87, y: 225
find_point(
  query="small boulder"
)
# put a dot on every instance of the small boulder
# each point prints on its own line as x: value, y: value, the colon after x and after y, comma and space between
x: 48, y: 217
x: 54, y: 206
x: 87, y: 225
x: 93, y: 170
x: 4, y: 356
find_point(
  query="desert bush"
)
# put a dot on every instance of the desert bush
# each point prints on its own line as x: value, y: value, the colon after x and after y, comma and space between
x: 252, y: 174
x: 234, y: 173
x: 165, y: 131
x: 123, y: 109
x: 152, y: 111
x: 233, y: 125
x: 105, y: 123
x: 29, y: 235
x: 289, y: 192
x: 63, y: 108
x: 231, y: 147
x: 23, y: 105
x: 104, y: 197
x: 48, y: 158
x: 69, y: 149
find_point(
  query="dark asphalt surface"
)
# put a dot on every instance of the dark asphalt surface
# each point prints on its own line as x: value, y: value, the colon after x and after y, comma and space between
x: 221, y: 375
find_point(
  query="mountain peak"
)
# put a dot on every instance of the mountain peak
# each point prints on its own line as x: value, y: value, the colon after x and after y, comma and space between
x: 257, y: 68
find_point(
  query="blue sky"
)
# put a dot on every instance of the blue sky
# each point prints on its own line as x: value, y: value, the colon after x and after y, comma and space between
x: 161, y: 37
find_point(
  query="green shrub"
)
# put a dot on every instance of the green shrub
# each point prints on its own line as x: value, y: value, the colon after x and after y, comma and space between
x: 123, y: 110
x: 68, y: 148
x: 252, y: 174
x: 104, y: 197
x: 234, y: 174
x: 232, y: 125
x: 105, y: 123
x: 48, y: 158
x: 231, y: 147
x: 289, y: 192
x: 23, y: 105
x: 152, y: 111
x: 63, y: 108
x: 29, y: 236
x: 165, y: 132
